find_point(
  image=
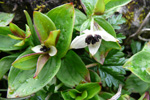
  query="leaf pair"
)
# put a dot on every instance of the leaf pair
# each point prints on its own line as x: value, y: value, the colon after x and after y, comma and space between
x: 19, y: 34
x: 7, y: 43
x: 84, y: 91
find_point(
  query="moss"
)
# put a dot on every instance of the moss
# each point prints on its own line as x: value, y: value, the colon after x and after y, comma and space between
x: 129, y: 15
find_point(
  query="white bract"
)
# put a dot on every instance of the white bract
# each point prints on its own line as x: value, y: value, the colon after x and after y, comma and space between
x: 43, y: 49
x: 92, y: 38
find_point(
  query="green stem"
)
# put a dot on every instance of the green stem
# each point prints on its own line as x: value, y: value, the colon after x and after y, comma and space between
x: 58, y: 87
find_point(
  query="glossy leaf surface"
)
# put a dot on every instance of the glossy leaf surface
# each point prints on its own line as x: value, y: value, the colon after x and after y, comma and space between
x: 21, y: 82
x: 113, y: 64
x: 5, y: 18
x: 136, y: 85
x: 52, y: 38
x: 42, y: 59
x: 5, y: 63
x: 99, y: 7
x: 106, y: 26
x: 80, y: 18
x: 7, y: 43
x: 139, y: 63
x: 16, y: 30
x: 94, y: 77
x: 91, y: 88
x: 26, y: 62
x: 43, y: 25
x: 85, y: 25
x: 63, y: 17
x: 112, y: 4
x: 72, y: 69
x: 88, y: 6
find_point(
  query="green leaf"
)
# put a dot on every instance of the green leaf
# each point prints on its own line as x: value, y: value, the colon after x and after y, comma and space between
x: 73, y: 93
x: 139, y: 64
x: 104, y: 49
x: 5, y: 18
x: 21, y: 43
x: 15, y: 37
x: 136, y: 46
x: 42, y: 59
x: 146, y: 47
x: 84, y: 94
x: 112, y: 4
x: 145, y: 96
x: 113, y: 64
x: 88, y: 6
x: 94, y: 76
x: 80, y: 18
x: 106, y: 46
x: 136, y: 85
x: 82, y: 97
x: 27, y: 62
x: 5, y: 63
x: 28, y: 32
x: 66, y: 95
x: 40, y: 95
x: 102, y: 53
x: 99, y: 7
x: 43, y: 25
x: 7, y: 43
x: 106, y: 95
x: 106, y: 26
x: 85, y: 25
x: 21, y: 82
x: 63, y: 17
x: 106, y: 1
x: 96, y: 97
x: 109, y: 44
x: 72, y: 69
x: 34, y: 36
x: 16, y: 30
x: 91, y: 88
x: 116, y: 21
x: 120, y: 37
x: 52, y: 38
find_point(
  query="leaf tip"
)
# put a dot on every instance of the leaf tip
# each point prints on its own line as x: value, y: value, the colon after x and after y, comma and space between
x: 71, y: 3
x: 24, y: 11
x: 35, y: 12
x: 35, y: 76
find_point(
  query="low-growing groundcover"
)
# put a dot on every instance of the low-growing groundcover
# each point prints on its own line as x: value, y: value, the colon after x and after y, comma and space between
x: 67, y: 54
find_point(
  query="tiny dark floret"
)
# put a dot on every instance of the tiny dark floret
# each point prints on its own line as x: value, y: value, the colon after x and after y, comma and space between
x: 90, y: 39
x: 45, y: 49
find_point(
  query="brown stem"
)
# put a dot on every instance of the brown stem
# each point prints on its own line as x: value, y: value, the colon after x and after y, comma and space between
x: 91, y: 65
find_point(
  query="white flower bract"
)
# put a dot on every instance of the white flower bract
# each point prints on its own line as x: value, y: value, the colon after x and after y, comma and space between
x: 92, y: 38
x: 52, y: 50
